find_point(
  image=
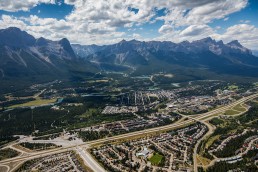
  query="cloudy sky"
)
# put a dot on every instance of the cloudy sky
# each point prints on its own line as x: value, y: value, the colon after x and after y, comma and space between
x: 109, y: 21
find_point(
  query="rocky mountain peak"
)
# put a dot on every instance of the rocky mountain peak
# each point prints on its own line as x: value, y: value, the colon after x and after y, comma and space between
x: 14, y: 37
x: 67, y: 47
x: 235, y: 43
x: 41, y: 41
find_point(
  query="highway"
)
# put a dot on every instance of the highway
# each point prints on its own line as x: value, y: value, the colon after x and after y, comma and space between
x: 88, y: 159
x: 209, y: 132
x: 91, y: 162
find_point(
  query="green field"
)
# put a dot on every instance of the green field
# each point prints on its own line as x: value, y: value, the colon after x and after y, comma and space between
x: 211, y: 141
x: 231, y: 112
x: 239, y: 108
x: 156, y: 159
x: 233, y: 87
x: 89, y: 113
x: 36, y: 102
x: 203, y: 160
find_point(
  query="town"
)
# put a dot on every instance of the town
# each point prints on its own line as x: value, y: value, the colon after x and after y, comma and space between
x: 166, y: 152
x: 67, y: 161
x: 189, y: 127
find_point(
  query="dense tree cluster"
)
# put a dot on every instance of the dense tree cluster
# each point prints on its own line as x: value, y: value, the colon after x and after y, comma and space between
x: 93, y: 135
x: 7, y: 153
x: 38, y: 146
x: 233, y: 145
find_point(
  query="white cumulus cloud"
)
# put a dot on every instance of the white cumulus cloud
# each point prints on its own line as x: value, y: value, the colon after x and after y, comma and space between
x: 21, y: 5
x: 100, y: 21
x: 197, y: 30
x: 166, y: 29
x: 247, y: 35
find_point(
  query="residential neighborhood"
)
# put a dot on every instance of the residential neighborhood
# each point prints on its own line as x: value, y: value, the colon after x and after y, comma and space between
x: 169, y: 151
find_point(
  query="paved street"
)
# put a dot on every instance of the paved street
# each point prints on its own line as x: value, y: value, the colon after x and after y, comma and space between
x: 94, y: 165
x: 88, y: 159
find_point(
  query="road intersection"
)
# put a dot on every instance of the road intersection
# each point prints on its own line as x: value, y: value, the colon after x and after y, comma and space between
x: 88, y: 159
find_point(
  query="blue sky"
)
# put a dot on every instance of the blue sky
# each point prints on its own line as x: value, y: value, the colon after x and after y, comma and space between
x: 110, y: 21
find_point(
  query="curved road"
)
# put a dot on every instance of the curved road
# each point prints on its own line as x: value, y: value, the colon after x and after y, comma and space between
x: 192, y: 119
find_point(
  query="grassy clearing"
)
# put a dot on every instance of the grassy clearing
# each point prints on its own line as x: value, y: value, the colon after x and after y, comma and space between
x: 211, y: 140
x: 156, y: 159
x: 89, y: 113
x: 231, y: 112
x: 17, y: 146
x: 239, y: 108
x: 245, y: 105
x: 233, y: 87
x: 203, y: 161
x: 36, y: 102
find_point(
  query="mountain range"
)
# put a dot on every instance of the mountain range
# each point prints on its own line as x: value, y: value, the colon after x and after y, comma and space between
x: 201, y: 56
x: 24, y: 58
